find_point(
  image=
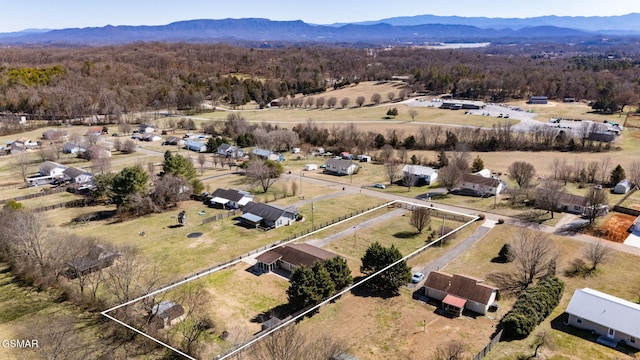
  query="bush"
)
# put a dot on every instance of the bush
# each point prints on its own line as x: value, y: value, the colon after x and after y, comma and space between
x: 481, y: 217
x: 501, y: 221
x: 531, y: 308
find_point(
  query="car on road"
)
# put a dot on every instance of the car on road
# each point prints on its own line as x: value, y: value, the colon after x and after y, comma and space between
x: 379, y: 186
x: 417, y: 277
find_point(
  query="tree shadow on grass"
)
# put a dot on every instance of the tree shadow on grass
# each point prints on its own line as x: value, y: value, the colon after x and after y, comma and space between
x: 405, y: 235
x: 363, y: 290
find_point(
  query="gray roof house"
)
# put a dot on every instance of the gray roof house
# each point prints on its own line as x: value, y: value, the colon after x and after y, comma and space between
x: 229, y: 198
x: 71, y: 148
x: 165, y: 314
x: 422, y: 173
x: 77, y: 175
x: 267, y: 154
x: 194, y: 145
x: 50, y: 168
x: 341, y: 167
x: 290, y: 256
x: 458, y: 292
x: 227, y: 150
x: 614, y: 319
x: 267, y: 216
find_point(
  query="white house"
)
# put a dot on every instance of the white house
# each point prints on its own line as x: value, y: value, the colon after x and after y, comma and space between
x: 150, y: 137
x: 50, y: 168
x: 77, y: 176
x: 146, y: 128
x: 622, y: 187
x: 341, y: 167
x: 422, y: 173
x: 614, y: 319
x: 458, y: 292
x: 71, y: 148
x: 310, y: 167
x: 481, y: 185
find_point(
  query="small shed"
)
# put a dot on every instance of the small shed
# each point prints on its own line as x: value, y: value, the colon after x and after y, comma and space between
x: 540, y: 100
x: 166, y: 314
x: 622, y: 187
x: 310, y: 167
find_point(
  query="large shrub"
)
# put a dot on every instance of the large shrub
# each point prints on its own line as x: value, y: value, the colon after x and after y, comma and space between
x: 531, y: 308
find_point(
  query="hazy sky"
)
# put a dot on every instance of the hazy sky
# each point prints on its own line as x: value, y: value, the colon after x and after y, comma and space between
x: 18, y: 15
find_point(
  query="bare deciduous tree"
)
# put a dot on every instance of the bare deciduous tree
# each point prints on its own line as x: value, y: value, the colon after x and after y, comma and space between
x: 413, y: 113
x: 548, y: 195
x: 392, y: 169
x: 596, y: 201
x: 420, y: 218
x: 597, y: 253
x: 201, y: 161
x: 264, y: 173
x: 21, y: 164
x: 449, y: 177
x: 634, y: 173
x: 522, y: 172
x: 344, y: 102
x: 376, y: 98
x: 360, y: 101
x: 452, y: 350
x: 533, y: 252
x: 409, y: 178
x: 291, y: 343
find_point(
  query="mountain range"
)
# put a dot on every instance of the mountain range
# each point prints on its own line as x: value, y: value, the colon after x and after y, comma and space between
x: 397, y: 30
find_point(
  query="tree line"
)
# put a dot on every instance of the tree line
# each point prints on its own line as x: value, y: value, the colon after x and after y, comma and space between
x: 115, y: 81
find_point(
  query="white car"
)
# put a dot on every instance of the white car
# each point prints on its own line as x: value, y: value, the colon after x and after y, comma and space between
x: 379, y: 186
x: 417, y: 277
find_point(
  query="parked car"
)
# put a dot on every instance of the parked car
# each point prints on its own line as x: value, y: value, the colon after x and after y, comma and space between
x: 417, y: 277
x: 379, y: 186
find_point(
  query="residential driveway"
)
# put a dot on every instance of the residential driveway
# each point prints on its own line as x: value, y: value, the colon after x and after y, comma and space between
x: 455, y: 251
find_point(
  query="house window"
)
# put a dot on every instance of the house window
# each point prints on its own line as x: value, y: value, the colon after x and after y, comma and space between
x: 579, y: 321
x: 576, y: 208
x: 632, y: 340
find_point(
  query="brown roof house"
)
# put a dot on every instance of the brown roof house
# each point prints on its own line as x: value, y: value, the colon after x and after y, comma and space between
x: 97, y: 258
x: 166, y: 314
x: 290, y: 256
x: 458, y: 292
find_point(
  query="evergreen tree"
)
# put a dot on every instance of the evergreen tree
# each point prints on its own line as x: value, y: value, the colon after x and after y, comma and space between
x: 339, y: 272
x: 617, y: 175
x: 129, y: 181
x: 443, y: 160
x: 302, y: 290
x: 378, y: 257
x: 477, y: 164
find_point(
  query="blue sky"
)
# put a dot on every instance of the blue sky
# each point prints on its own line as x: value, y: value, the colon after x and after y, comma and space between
x: 17, y: 15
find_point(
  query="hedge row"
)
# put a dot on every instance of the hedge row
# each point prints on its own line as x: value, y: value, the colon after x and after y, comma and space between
x: 532, y: 307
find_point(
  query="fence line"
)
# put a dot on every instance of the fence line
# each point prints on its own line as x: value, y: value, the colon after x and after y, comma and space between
x: 216, y: 217
x: 494, y: 340
x: 68, y: 204
x: 45, y: 192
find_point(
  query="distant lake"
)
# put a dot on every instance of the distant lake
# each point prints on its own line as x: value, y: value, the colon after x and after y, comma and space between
x: 457, y: 45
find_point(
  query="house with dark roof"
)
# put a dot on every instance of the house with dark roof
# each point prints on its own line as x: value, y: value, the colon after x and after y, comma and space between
x: 481, y: 185
x: 146, y: 128
x: 614, y: 319
x: 579, y: 205
x: 267, y: 216
x: 149, y: 137
x: 341, y: 167
x: 229, y: 199
x: 77, y: 175
x: 231, y: 151
x: 290, y: 256
x: 458, y: 292
x: 71, y: 148
x: 173, y: 140
x: 166, y: 314
x: 97, y: 258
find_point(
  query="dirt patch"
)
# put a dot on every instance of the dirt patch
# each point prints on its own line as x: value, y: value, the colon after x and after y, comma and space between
x: 615, y: 228
x: 201, y: 241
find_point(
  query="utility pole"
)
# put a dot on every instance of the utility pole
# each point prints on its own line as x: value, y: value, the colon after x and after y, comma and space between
x: 312, y: 209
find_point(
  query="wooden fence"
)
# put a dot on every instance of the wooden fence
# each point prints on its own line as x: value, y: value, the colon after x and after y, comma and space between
x: 44, y: 192
x: 625, y: 210
x: 494, y: 340
x: 68, y: 204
